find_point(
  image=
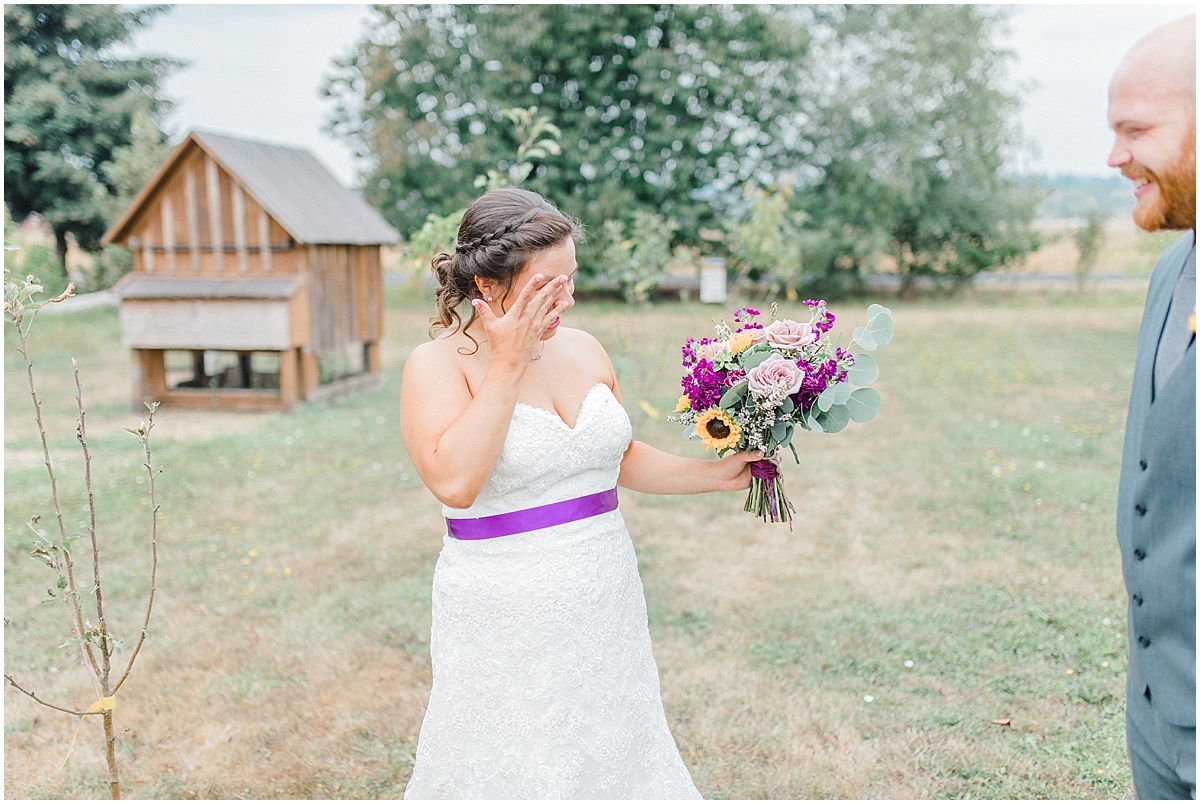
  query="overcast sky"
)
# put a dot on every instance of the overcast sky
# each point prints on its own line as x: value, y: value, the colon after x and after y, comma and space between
x: 255, y: 71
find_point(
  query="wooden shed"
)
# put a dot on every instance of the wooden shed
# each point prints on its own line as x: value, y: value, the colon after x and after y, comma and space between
x: 256, y: 277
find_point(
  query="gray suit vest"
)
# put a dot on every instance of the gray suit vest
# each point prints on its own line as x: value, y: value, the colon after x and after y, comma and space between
x: 1156, y: 511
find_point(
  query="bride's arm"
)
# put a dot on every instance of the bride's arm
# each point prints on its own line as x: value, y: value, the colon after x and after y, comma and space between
x: 652, y: 471
x: 453, y: 438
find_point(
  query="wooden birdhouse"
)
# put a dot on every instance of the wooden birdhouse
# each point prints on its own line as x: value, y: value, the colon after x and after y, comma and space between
x: 256, y: 277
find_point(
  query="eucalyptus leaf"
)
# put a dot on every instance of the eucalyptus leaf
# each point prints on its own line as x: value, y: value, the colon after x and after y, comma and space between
x: 778, y: 431
x: 787, y: 440
x: 754, y: 358
x: 841, y: 392
x: 862, y: 336
x: 864, y: 371
x: 836, y: 419
x: 864, y: 404
x: 795, y: 454
x: 734, y: 395
x: 875, y: 310
x: 788, y: 405
x: 825, y: 400
x: 882, y: 329
x: 813, y: 424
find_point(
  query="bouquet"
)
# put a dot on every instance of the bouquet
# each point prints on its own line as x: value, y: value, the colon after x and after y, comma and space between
x: 751, y: 387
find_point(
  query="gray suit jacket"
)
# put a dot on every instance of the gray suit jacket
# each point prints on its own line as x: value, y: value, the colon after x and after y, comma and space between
x: 1156, y: 512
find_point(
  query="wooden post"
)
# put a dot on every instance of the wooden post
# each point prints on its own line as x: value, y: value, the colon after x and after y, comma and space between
x: 150, y: 377
x: 239, y: 227
x: 244, y: 368
x: 288, y: 377
x: 193, y: 218
x: 198, y: 373
x: 371, y: 359
x: 148, y: 250
x: 212, y: 183
x: 168, y: 232
x: 264, y: 241
x: 310, y: 372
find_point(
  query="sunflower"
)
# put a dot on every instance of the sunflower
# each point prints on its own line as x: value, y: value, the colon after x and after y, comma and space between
x: 683, y: 404
x: 717, y: 430
x: 741, y: 341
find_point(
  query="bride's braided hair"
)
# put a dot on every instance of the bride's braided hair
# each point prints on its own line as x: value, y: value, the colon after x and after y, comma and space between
x: 499, y: 232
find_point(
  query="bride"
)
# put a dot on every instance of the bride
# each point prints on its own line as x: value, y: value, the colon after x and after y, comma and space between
x: 544, y: 684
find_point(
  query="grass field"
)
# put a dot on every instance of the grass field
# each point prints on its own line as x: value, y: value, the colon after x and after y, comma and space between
x: 954, y: 564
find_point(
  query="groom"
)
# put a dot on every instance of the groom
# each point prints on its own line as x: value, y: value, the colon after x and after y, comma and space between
x: 1152, y: 110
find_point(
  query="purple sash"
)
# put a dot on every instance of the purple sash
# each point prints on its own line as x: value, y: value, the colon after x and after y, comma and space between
x: 543, y: 516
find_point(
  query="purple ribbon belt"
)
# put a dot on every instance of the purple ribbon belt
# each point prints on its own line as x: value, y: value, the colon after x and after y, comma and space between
x: 543, y: 516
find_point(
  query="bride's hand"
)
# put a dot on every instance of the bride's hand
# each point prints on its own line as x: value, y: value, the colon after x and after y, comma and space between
x: 733, y: 471
x: 515, y: 337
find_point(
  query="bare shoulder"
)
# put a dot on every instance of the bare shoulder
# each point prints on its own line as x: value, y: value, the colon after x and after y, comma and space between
x: 582, y: 340
x: 589, y: 352
x: 437, y: 361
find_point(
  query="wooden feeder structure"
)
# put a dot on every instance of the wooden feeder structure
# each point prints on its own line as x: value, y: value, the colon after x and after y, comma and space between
x: 256, y: 279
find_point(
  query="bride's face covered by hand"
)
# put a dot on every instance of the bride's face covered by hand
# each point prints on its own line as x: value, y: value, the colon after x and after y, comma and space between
x: 551, y: 263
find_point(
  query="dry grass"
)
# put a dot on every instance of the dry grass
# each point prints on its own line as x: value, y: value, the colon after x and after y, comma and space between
x: 309, y: 676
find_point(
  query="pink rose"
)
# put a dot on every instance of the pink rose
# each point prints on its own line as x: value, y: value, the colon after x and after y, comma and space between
x: 788, y: 334
x: 773, y: 373
x: 709, y: 351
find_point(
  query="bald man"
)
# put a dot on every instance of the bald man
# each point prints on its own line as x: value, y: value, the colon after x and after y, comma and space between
x: 1152, y: 111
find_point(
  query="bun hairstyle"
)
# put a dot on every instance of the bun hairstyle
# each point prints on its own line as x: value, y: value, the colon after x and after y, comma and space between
x: 500, y: 231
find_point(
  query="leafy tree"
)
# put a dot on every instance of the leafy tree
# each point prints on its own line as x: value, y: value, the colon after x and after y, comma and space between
x: 636, y: 263
x: 656, y: 103
x: 771, y: 241
x: 69, y: 111
x: 908, y: 125
x: 1089, y: 240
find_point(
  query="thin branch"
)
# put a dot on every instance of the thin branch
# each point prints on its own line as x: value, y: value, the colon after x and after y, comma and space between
x: 73, y: 596
x: 33, y: 695
x: 144, y: 435
x: 81, y: 434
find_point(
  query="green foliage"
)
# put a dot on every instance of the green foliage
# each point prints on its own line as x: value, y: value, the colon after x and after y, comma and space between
x: 71, y: 108
x: 636, y: 263
x: 1089, y: 239
x: 109, y: 264
x: 770, y: 241
x: 539, y: 139
x: 909, y: 131
x: 654, y: 102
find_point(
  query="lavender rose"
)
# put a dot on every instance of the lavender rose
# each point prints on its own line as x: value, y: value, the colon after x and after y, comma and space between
x: 776, y: 376
x: 788, y: 334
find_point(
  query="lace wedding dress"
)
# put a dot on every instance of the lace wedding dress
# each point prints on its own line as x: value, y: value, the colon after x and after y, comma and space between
x: 544, y: 685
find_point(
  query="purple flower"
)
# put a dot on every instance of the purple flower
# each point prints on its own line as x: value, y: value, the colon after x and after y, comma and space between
x: 704, y: 385
x: 748, y: 312
x: 816, y: 379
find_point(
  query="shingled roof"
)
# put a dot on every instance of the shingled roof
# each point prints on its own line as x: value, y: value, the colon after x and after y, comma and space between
x: 290, y: 184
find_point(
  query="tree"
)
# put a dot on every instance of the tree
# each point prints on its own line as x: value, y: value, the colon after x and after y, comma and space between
x: 657, y: 104
x: 69, y: 109
x: 908, y: 125
x: 1089, y: 240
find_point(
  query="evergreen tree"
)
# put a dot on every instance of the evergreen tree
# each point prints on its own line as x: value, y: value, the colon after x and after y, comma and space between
x: 69, y: 109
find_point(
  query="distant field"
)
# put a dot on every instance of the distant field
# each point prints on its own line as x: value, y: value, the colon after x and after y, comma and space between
x: 954, y: 565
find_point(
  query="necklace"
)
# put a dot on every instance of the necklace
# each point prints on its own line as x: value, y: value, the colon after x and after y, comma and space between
x: 538, y: 356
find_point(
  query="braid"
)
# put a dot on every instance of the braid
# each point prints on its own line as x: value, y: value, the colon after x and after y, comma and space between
x: 488, y: 238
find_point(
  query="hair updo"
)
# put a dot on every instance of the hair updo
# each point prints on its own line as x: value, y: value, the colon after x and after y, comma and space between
x: 500, y: 231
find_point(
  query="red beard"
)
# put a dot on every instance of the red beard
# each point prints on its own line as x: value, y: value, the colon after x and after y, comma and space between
x: 1176, y: 205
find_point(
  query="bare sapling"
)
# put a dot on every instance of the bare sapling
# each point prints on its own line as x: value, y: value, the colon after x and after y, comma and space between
x: 97, y: 644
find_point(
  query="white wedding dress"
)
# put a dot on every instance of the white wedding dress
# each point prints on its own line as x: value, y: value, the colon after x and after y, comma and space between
x: 544, y: 685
